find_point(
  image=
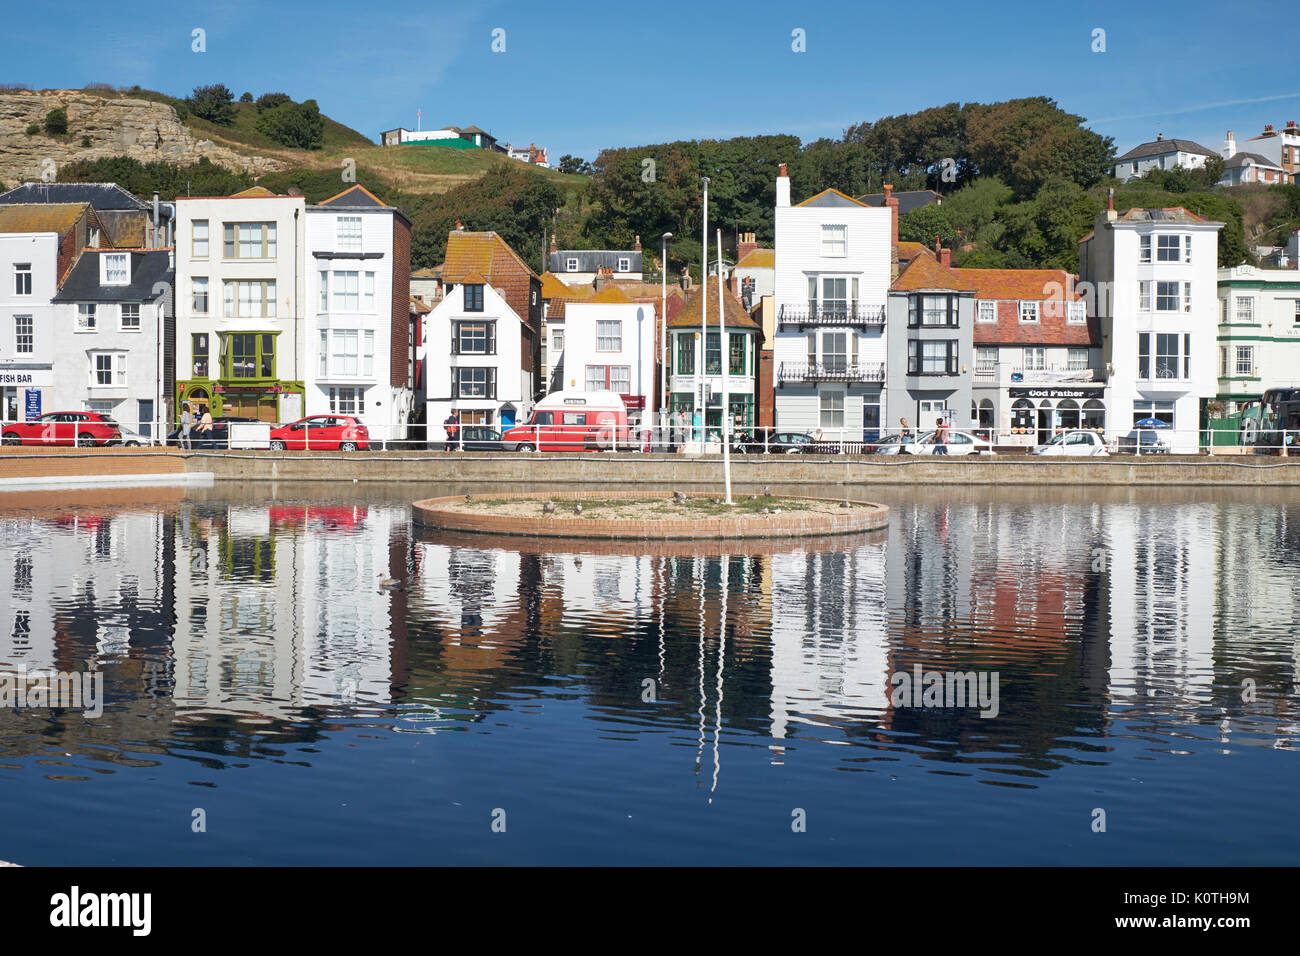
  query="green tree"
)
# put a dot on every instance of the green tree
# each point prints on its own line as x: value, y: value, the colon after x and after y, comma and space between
x: 923, y: 224
x: 574, y: 164
x: 213, y: 103
x: 269, y: 101
x: 56, y: 121
x: 1028, y: 142
x: 246, y: 97
x: 298, y: 125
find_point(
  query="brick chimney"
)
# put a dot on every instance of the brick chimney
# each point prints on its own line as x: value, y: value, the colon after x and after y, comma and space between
x: 745, y: 246
x: 459, y: 227
x: 731, y: 284
x: 945, y: 258
x: 937, y: 246
x: 892, y: 203
x: 604, y: 276
x: 782, y: 188
x: 1111, y: 215
x: 685, y: 279
x: 636, y: 246
x: 554, y: 247
x: 1229, y: 146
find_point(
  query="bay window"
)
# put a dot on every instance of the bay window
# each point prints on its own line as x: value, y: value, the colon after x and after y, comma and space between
x: 932, y: 357
x: 346, y: 290
x: 932, y: 310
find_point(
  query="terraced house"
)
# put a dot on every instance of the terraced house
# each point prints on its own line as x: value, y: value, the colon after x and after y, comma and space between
x: 481, y: 350
x: 834, y: 257
x: 241, y: 321
x: 359, y: 259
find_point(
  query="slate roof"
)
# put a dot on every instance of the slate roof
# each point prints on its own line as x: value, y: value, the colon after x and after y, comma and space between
x: 830, y: 198
x: 1167, y: 214
x: 907, y: 201
x: 1161, y: 147
x: 1241, y: 159
x: 690, y: 314
x: 103, y: 196
x: 758, y: 259
x: 355, y: 197
x: 148, y: 268
x: 41, y: 217
x: 593, y: 260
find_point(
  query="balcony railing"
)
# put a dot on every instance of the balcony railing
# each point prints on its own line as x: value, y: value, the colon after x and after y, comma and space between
x: 857, y: 314
x: 1053, y: 373
x: 791, y: 373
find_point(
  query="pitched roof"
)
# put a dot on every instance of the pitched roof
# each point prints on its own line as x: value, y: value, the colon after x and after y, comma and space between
x: 253, y: 192
x: 1161, y: 147
x: 41, y: 217
x: 610, y: 295
x: 690, y: 314
x: 927, y: 272
x: 474, y: 278
x: 907, y: 200
x: 357, y: 195
x: 592, y: 260
x: 149, y: 268
x: 485, y: 252
x: 103, y: 196
x: 1026, y: 284
x: 420, y: 307
x: 830, y: 197
x: 1244, y: 159
x: 758, y: 259
x: 910, y: 250
x: 428, y: 272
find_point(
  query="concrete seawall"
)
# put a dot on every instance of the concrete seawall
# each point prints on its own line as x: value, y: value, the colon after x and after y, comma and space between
x: 582, y: 472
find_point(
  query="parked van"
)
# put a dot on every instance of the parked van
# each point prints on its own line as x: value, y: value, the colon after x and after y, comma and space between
x: 574, y: 421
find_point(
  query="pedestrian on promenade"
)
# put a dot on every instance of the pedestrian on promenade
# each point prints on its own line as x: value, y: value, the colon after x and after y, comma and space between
x: 940, y: 437
x: 186, y: 421
x: 905, y: 433
x: 205, y: 424
x: 451, y: 424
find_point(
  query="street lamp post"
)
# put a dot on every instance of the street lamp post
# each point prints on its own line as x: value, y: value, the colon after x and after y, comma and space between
x: 700, y: 401
x: 664, y: 413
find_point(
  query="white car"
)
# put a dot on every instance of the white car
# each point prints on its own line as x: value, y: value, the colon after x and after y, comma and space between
x: 959, y: 443
x: 1073, y: 443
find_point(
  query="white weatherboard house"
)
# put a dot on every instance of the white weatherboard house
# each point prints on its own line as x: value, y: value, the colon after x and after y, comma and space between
x: 28, y: 281
x: 833, y: 261
x: 1154, y: 277
x: 609, y: 345
x: 1161, y: 153
x: 110, y: 326
x: 241, y: 318
x: 358, y: 253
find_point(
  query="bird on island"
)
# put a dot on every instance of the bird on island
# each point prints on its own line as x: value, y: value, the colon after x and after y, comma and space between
x: 767, y: 491
x: 845, y: 504
x: 764, y: 511
x: 577, y: 509
x: 776, y: 511
x: 548, y: 508
x: 716, y: 501
x: 679, y: 498
x: 753, y: 497
x: 469, y: 497
x: 389, y: 584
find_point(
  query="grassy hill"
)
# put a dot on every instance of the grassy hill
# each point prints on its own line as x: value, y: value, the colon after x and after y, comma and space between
x: 411, y: 169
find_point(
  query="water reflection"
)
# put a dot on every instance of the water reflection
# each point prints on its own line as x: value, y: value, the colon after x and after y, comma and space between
x: 229, y: 630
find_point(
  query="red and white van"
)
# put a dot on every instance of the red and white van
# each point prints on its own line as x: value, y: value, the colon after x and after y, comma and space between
x: 574, y: 421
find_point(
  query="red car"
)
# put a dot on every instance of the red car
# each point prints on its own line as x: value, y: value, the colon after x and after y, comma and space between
x: 322, y: 433
x: 83, y: 429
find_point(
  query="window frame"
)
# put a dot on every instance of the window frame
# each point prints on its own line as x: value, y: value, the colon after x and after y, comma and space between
x: 195, y: 240
x: 603, y: 335
x: 19, y: 335
x: 830, y: 242
x: 22, y: 270
x: 122, y: 314
x: 87, y: 320
x: 344, y: 238
x: 232, y: 241
x: 1031, y: 307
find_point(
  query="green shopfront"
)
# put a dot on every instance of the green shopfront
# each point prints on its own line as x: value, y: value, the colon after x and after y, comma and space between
x: 235, y: 374
x: 687, y: 389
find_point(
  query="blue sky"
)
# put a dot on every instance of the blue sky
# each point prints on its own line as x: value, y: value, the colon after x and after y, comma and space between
x: 578, y: 77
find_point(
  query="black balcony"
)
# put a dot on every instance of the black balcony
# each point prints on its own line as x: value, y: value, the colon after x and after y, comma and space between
x: 793, y: 373
x: 839, y: 314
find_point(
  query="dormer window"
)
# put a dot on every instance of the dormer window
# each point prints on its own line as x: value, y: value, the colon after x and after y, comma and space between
x: 624, y: 264
x: 115, y: 269
x: 1077, y: 313
x: 473, y: 298
x: 571, y: 265
x: 1028, y: 311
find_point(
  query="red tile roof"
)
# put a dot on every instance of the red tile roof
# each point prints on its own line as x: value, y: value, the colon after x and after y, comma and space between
x: 487, y: 255
x: 927, y: 272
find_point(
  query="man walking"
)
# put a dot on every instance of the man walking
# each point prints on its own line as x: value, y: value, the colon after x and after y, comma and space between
x: 186, y: 421
x: 451, y: 424
x: 940, y: 437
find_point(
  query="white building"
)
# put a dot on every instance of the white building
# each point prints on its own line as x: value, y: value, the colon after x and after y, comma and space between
x: 28, y: 281
x: 609, y: 345
x: 358, y: 249
x: 1279, y: 147
x: 481, y: 346
x: 1259, y: 332
x: 582, y: 266
x: 241, y: 322
x: 110, y: 332
x: 833, y: 261
x: 1154, y: 276
x: 1161, y: 153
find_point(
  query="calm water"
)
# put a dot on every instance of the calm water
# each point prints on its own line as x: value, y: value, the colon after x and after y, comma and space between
x: 632, y: 705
